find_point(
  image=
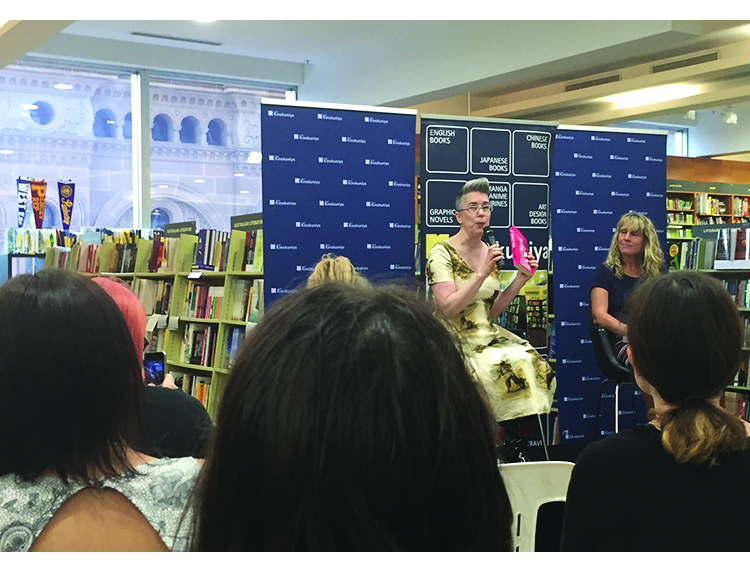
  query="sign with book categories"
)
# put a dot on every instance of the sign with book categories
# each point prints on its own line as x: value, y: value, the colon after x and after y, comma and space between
x: 251, y: 222
x: 515, y: 158
x: 174, y: 230
x: 597, y: 176
x: 340, y: 180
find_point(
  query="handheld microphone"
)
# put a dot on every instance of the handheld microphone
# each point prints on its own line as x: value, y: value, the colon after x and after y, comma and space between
x: 488, y: 236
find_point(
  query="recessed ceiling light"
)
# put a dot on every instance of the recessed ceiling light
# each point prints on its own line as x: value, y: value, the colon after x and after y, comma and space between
x: 62, y: 86
x: 163, y: 186
x: 239, y: 174
x: 6, y: 151
x: 200, y: 180
x: 244, y: 191
x: 652, y: 95
x: 29, y: 106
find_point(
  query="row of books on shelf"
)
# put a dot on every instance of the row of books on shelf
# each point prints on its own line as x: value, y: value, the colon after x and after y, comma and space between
x: 199, y: 344
x: 203, y: 301
x: 741, y: 206
x: 155, y: 295
x: 690, y: 255
x: 248, y: 302
x: 234, y: 342
x: 739, y: 290
x: 728, y: 250
x: 707, y: 205
x: 737, y: 405
x: 198, y: 386
x: 681, y: 233
x: 213, y: 250
x: 130, y: 250
x: 36, y: 241
x: 680, y: 218
x: 674, y: 203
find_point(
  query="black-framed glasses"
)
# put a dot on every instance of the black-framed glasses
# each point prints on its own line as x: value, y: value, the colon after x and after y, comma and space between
x: 474, y: 208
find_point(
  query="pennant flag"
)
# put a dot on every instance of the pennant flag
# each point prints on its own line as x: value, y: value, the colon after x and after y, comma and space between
x: 38, y: 197
x: 24, y: 193
x: 67, y: 193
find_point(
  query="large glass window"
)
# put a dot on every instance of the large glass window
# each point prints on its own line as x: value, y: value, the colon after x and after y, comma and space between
x: 61, y: 125
x: 205, y: 147
x: 208, y: 169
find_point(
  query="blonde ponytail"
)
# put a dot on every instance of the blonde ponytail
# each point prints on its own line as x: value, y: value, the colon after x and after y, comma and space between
x: 698, y: 432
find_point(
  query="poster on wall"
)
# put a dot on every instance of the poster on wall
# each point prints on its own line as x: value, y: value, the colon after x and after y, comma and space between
x: 339, y: 180
x: 598, y: 174
x: 515, y: 157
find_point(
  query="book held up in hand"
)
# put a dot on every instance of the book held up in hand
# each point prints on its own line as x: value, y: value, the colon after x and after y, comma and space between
x: 519, y: 246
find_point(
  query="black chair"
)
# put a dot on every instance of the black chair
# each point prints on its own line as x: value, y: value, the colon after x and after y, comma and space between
x: 614, y: 372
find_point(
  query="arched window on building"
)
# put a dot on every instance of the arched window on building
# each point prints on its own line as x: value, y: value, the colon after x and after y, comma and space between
x: 217, y: 132
x: 104, y: 123
x: 189, y: 129
x: 159, y: 218
x: 161, y: 128
x: 127, y: 126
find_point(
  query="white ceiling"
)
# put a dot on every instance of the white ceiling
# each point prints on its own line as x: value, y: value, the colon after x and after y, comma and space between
x: 391, y: 62
x: 469, y: 67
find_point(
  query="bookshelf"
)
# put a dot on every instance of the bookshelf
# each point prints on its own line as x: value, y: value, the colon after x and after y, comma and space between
x: 691, y: 203
x: 197, y: 316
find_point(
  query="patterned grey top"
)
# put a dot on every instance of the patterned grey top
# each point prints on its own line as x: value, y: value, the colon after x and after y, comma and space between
x: 160, y: 490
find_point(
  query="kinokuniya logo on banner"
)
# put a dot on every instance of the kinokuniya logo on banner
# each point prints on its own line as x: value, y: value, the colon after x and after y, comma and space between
x: 280, y: 203
x: 355, y: 225
x: 331, y: 204
x: 303, y: 137
x: 330, y: 117
x: 281, y: 158
x: 274, y: 113
x: 377, y: 205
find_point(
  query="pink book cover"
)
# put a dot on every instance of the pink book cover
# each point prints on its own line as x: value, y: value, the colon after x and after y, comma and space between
x: 520, y: 246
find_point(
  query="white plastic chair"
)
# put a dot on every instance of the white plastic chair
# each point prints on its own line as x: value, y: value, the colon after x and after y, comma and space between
x: 530, y: 485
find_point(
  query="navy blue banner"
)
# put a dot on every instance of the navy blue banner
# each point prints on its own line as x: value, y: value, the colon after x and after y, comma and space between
x: 515, y: 156
x: 336, y: 180
x: 598, y: 175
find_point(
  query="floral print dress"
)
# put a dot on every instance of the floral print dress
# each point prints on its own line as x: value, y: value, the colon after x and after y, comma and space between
x: 516, y: 380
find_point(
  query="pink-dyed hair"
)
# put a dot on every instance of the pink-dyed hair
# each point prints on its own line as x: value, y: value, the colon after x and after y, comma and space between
x: 131, y: 308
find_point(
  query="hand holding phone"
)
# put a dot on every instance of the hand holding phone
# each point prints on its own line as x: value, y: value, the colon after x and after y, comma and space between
x: 153, y: 367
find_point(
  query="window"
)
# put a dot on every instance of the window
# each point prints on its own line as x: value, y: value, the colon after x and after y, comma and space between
x: 161, y: 128
x: 102, y: 172
x: 104, y: 123
x: 127, y: 126
x: 217, y: 132
x: 189, y: 130
x: 42, y: 113
x: 159, y: 218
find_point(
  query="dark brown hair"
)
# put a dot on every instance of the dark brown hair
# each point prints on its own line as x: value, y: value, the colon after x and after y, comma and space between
x: 70, y: 382
x: 686, y: 339
x: 351, y: 423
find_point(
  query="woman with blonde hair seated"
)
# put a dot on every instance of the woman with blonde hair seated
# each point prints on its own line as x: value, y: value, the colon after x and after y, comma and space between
x: 659, y: 486
x: 333, y: 268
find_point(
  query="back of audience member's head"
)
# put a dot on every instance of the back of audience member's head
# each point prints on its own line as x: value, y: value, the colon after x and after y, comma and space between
x: 70, y: 384
x: 350, y: 422
x: 332, y: 268
x: 686, y: 340
x: 131, y: 308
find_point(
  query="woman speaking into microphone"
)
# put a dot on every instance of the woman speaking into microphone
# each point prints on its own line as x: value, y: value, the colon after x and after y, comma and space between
x: 464, y: 277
